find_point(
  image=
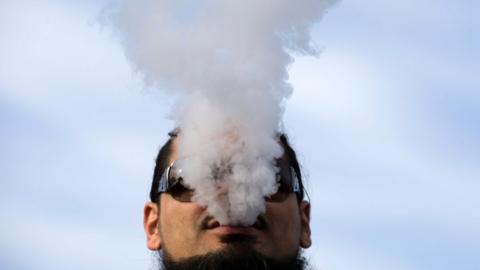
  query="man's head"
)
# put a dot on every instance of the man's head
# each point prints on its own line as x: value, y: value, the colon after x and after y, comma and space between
x: 186, y: 233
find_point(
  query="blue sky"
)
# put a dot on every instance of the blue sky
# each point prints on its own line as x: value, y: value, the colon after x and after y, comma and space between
x: 385, y: 120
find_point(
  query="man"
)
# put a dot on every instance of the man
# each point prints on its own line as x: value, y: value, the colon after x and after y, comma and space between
x: 187, y: 237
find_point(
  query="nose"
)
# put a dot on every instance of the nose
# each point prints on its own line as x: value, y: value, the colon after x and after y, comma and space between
x: 222, y: 191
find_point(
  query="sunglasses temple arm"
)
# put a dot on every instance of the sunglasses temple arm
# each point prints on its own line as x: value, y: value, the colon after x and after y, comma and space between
x: 296, y: 183
x: 163, y: 184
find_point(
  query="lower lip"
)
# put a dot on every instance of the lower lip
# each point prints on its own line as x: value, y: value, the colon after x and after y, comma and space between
x: 234, y: 230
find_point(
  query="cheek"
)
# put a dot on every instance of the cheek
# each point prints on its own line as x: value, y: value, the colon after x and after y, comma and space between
x: 283, y: 238
x: 287, y: 226
x: 178, y: 226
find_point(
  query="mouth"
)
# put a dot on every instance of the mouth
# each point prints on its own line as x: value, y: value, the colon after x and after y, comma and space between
x: 214, y: 225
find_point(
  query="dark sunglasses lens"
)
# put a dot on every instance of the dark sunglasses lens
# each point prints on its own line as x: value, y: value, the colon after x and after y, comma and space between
x: 181, y: 193
x: 278, y: 196
x: 284, y: 180
x: 176, y: 187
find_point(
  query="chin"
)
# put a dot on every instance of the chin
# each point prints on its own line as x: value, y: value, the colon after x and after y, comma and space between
x: 234, y: 255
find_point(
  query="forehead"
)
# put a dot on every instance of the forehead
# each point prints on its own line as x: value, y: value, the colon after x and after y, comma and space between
x: 173, y: 153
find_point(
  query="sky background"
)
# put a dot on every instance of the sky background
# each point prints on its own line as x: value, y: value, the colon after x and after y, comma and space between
x: 386, y: 122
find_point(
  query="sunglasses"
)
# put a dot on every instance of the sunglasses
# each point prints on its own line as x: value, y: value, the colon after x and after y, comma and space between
x: 172, y: 182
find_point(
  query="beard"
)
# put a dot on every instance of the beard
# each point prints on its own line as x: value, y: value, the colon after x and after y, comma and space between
x: 238, y: 254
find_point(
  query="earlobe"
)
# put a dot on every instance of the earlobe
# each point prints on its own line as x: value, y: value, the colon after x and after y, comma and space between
x: 151, y: 225
x: 305, y: 239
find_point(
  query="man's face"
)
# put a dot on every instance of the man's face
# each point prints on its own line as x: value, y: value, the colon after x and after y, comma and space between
x: 184, y: 229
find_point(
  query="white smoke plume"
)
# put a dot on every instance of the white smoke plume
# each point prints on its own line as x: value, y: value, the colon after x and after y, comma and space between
x: 226, y: 63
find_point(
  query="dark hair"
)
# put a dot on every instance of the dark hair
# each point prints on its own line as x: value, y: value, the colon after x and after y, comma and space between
x: 162, y: 163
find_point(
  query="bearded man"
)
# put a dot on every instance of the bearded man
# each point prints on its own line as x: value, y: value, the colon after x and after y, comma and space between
x: 187, y: 237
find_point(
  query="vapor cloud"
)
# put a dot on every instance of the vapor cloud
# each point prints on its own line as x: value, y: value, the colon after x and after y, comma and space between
x: 226, y: 63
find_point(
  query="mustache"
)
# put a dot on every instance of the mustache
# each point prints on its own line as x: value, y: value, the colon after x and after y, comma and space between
x: 209, y: 222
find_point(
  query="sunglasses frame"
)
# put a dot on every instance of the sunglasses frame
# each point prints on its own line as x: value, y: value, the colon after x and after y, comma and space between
x: 164, y: 186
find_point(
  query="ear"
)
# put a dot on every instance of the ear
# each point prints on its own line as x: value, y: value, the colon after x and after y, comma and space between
x: 305, y: 238
x: 151, y: 225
